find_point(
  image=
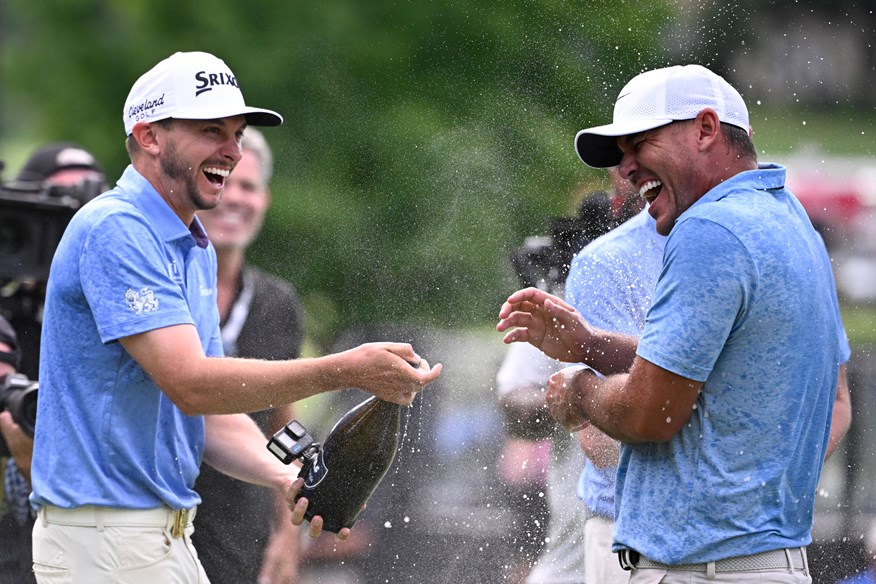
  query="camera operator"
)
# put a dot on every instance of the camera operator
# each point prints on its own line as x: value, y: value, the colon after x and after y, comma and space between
x: 16, y: 524
x: 54, y: 170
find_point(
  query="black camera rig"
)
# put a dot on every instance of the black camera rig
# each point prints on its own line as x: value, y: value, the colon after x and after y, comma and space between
x: 32, y: 221
x: 543, y: 260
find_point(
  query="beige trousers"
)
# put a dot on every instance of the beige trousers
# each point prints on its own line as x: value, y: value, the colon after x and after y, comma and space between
x: 600, y: 563
x: 67, y: 552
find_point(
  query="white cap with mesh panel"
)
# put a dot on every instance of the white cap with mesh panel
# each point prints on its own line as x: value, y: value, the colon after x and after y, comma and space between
x: 656, y: 98
x: 191, y: 86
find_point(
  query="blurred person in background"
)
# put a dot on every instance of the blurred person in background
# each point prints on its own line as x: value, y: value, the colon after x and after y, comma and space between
x: 536, y: 444
x: 56, y: 169
x: 611, y: 282
x: 536, y: 464
x: 244, y: 533
x: 16, y: 523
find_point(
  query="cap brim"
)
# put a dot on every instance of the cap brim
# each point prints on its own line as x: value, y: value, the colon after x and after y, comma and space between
x: 254, y: 116
x: 597, y: 147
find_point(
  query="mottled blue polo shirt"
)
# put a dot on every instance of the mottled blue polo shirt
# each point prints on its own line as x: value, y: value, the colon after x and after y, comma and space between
x: 106, y: 434
x: 745, y: 303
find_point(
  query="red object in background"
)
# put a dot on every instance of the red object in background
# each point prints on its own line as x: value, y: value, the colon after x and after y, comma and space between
x: 832, y: 201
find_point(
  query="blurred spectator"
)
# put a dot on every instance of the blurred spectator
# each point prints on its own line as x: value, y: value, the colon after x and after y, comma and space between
x: 16, y: 523
x: 51, y: 169
x: 521, y: 381
x: 244, y: 533
x: 526, y: 458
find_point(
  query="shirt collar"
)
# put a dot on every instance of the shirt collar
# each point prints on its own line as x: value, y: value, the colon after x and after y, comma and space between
x: 168, y: 223
x: 764, y: 177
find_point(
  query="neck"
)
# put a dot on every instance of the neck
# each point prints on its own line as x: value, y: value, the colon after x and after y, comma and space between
x: 169, y: 192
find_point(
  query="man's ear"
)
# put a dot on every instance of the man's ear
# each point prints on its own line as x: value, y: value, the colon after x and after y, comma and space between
x: 708, y: 126
x: 145, y: 135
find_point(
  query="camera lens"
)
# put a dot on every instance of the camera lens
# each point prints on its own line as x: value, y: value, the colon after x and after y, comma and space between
x: 13, y: 237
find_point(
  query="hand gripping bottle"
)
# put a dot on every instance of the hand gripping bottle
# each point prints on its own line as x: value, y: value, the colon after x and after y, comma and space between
x: 340, y: 475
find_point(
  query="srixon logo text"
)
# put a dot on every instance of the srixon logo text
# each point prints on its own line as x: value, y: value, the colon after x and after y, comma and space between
x: 206, y: 81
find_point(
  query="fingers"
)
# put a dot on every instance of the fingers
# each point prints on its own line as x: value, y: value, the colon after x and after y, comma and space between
x: 343, y: 534
x: 315, y: 527
x: 532, y: 296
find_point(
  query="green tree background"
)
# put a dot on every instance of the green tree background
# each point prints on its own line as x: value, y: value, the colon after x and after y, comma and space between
x: 423, y: 140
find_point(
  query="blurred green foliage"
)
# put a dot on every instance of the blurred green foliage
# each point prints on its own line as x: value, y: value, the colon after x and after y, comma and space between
x: 423, y: 140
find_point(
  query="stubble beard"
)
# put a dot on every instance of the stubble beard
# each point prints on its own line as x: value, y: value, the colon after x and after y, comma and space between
x: 177, y: 169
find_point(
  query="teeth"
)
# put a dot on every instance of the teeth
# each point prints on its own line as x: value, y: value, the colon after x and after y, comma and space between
x: 651, y: 184
x: 221, y: 172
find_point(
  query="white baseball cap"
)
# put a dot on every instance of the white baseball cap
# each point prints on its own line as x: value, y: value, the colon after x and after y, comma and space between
x: 191, y: 86
x: 656, y: 98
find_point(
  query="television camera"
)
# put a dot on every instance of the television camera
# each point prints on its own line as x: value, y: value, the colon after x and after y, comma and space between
x: 32, y: 220
x: 18, y: 396
x: 543, y: 261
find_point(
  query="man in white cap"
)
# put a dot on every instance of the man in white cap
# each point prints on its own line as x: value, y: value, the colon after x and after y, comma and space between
x: 132, y: 395
x: 723, y: 404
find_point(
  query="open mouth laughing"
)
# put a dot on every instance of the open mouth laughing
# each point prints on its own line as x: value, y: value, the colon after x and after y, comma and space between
x: 650, y: 190
x: 216, y: 175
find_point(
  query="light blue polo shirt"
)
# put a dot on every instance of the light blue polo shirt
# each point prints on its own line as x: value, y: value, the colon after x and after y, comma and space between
x: 106, y: 434
x: 745, y: 303
x: 610, y: 283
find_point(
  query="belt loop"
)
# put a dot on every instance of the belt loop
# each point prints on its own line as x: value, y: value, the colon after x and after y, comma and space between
x: 805, y: 562
x: 710, y: 570
x: 42, y: 514
x: 98, y: 517
x: 790, y: 561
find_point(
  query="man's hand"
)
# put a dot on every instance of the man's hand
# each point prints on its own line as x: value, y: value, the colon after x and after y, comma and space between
x: 546, y: 322
x: 20, y: 444
x: 299, y: 508
x: 391, y: 371
x: 565, y: 391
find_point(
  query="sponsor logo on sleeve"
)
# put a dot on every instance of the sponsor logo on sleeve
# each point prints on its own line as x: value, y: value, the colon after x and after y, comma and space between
x: 142, y: 301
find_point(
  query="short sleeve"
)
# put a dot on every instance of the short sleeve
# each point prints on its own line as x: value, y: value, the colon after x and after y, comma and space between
x: 129, y: 282
x: 706, y: 285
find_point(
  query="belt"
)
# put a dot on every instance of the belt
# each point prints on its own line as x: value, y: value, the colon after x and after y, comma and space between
x: 92, y: 516
x: 783, y: 559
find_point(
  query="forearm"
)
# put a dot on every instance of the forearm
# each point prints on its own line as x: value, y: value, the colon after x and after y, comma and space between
x: 229, y: 385
x: 602, y: 450
x: 609, y: 353
x: 841, y: 419
x: 604, y: 403
x: 650, y: 404
x: 235, y: 446
x: 174, y: 358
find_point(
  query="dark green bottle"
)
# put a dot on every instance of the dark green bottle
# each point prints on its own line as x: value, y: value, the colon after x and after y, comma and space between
x: 340, y: 475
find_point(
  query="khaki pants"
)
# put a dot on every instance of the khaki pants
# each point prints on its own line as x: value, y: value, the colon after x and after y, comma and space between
x: 92, y: 545
x: 600, y: 563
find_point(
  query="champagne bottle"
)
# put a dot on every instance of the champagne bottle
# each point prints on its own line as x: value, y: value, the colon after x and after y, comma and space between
x: 340, y: 475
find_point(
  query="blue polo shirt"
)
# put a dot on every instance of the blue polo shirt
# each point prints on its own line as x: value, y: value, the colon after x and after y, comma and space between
x: 611, y: 282
x: 106, y: 434
x: 745, y: 303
